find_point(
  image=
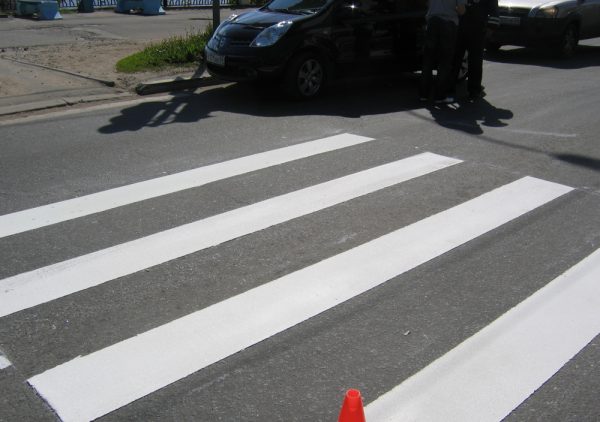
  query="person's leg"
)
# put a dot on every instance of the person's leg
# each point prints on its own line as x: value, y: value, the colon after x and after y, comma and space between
x: 459, y: 52
x: 447, y: 45
x: 429, y: 54
x: 476, y: 44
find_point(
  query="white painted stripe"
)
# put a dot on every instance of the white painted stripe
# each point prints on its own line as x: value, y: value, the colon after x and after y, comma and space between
x: 45, y: 284
x: 91, y: 386
x: 34, y: 218
x: 491, y: 373
x: 4, y: 362
x: 538, y: 133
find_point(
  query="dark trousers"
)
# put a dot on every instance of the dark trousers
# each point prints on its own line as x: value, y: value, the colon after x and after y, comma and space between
x: 440, y: 42
x: 471, y: 39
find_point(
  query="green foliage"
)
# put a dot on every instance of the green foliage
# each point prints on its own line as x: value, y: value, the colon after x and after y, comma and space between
x: 174, y: 51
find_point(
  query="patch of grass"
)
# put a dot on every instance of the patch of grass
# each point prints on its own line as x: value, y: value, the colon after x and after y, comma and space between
x: 174, y: 51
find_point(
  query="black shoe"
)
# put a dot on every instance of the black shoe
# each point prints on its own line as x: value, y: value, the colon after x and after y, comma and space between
x: 474, y: 96
x: 445, y: 100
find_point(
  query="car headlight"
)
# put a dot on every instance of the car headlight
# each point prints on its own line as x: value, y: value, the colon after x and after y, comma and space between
x: 547, y: 12
x: 271, y: 35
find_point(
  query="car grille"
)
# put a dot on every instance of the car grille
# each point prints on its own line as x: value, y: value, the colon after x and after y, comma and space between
x: 513, y: 11
x: 239, y: 43
x: 219, y: 41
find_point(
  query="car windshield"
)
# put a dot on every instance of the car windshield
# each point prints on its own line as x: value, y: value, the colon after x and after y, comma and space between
x: 297, y: 6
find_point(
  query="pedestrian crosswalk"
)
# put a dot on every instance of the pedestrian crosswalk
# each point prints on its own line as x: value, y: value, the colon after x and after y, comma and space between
x: 78, y: 207
x: 48, y: 283
x: 142, y: 364
x: 506, y: 361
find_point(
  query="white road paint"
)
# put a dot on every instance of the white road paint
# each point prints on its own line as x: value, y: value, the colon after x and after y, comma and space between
x: 535, y: 132
x: 4, y: 362
x: 34, y: 218
x: 480, y: 124
x: 32, y: 288
x: 491, y: 373
x: 477, y: 125
x: 89, y: 387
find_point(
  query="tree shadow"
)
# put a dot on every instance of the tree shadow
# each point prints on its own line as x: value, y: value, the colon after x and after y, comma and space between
x: 350, y: 98
x: 580, y: 160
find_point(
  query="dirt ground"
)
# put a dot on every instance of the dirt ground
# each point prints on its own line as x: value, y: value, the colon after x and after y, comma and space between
x: 90, y: 58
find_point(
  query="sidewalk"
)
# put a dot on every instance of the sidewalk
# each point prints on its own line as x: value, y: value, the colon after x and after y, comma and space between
x: 29, y: 88
x: 62, y: 70
x: 36, y: 88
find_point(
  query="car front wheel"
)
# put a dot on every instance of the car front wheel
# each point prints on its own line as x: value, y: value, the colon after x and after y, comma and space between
x: 306, y: 76
x: 568, y: 42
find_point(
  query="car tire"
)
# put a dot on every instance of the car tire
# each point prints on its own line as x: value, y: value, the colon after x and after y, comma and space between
x: 568, y: 42
x: 306, y: 75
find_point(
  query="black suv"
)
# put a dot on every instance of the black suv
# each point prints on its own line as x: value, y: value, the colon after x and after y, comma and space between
x: 306, y: 43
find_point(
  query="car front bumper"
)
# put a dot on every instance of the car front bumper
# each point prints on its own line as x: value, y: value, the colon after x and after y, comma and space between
x: 231, y: 67
x: 529, y: 32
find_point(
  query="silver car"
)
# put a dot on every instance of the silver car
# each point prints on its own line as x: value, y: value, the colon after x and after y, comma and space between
x: 558, y: 25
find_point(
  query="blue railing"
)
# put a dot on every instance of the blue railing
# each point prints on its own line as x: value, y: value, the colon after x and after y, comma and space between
x: 72, y: 4
x: 172, y: 3
x: 9, y: 5
x: 196, y: 3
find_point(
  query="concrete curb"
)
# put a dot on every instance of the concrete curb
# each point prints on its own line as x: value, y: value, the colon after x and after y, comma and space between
x: 145, y: 88
x: 39, y: 105
x: 59, y: 102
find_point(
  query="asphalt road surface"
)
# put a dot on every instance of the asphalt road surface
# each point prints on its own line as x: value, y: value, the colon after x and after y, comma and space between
x: 228, y: 255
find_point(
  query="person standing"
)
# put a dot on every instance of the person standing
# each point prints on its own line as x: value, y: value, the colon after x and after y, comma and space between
x: 481, y: 16
x: 440, y: 42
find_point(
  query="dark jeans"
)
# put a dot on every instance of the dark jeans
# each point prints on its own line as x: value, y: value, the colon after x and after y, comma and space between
x: 471, y: 39
x: 440, y: 42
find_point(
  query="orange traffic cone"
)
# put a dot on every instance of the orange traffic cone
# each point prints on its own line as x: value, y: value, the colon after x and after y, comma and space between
x: 352, y: 408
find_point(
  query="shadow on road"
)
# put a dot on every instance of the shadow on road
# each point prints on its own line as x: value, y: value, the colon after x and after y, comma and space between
x: 585, y: 56
x: 350, y: 99
x: 580, y: 160
x: 470, y: 117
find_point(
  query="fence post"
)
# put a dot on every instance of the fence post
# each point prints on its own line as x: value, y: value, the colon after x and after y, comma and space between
x: 216, y: 13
